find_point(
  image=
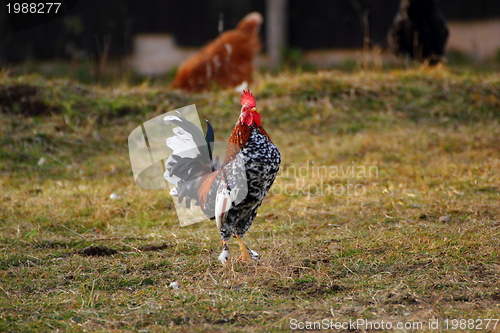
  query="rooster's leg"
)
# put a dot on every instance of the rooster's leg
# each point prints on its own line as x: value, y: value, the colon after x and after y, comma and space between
x: 245, y: 255
x: 225, y: 253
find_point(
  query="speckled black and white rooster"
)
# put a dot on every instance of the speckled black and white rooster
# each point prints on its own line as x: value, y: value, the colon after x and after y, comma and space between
x: 232, y: 191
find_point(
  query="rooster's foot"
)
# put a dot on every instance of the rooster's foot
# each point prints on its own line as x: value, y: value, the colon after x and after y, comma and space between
x: 247, y: 254
x: 224, y: 254
x: 244, y: 256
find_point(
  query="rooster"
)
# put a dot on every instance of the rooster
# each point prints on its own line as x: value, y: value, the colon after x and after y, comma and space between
x: 227, y: 61
x: 229, y: 192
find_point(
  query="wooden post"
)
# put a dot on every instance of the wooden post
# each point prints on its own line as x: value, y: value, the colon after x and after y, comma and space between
x: 276, y: 26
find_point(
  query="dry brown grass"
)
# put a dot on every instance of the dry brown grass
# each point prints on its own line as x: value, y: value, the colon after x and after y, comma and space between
x: 385, y: 254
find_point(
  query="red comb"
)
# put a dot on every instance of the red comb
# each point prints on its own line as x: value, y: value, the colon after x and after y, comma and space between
x: 248, y: 99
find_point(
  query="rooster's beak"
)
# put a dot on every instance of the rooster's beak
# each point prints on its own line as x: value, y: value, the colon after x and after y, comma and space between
x: 253, y: 109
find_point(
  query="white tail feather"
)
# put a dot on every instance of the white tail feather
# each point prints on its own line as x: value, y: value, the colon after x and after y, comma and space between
x: 171, y: 179
x: 173, y: 191
x: 182, y: 144
x: 222, y: 206
x: 170, y: 118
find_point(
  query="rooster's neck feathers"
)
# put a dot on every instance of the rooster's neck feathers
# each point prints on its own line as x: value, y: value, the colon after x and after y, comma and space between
x: 239, y: 137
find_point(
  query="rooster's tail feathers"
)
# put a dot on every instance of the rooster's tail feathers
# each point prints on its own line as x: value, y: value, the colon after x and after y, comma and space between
x: 191, y: 158
x: 209, y: 138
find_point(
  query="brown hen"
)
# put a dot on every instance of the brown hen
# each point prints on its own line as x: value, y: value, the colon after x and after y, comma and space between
x: 225, y: 62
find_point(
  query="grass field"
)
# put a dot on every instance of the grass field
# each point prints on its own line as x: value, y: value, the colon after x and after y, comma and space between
x: 386, y: 208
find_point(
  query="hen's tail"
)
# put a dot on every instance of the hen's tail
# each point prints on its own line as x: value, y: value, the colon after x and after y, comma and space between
x: 191, y: 158
x: 251, y: 23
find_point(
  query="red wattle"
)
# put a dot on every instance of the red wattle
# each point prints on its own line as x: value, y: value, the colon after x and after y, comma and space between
x: 250, y: 118
x: 256, y: 118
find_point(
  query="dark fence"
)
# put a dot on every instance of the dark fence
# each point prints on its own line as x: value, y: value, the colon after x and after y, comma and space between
x: 94, y: 25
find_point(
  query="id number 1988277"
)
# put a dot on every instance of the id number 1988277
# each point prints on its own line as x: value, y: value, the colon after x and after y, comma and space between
x: 33, y: 7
